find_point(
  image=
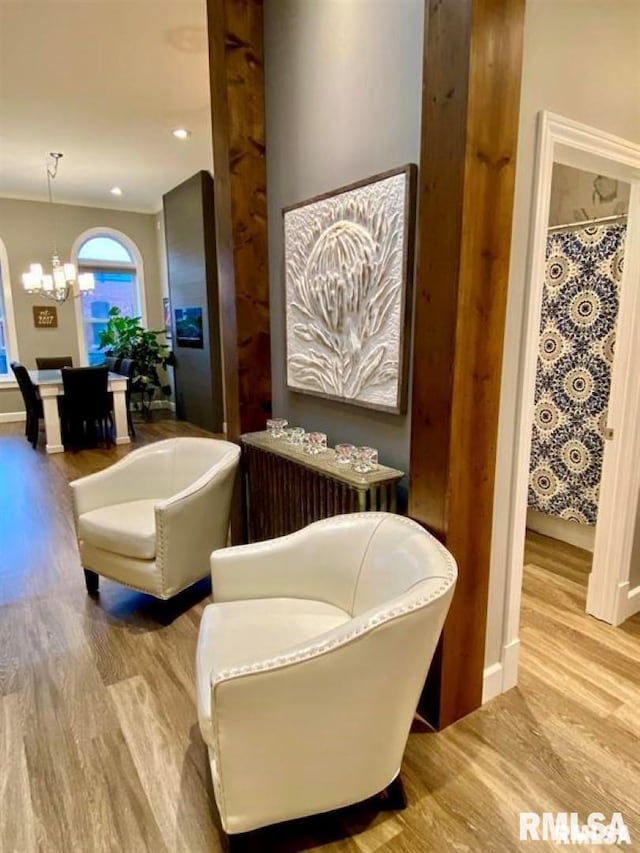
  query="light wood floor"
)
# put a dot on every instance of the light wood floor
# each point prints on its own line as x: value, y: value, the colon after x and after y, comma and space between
x: 99, y: 744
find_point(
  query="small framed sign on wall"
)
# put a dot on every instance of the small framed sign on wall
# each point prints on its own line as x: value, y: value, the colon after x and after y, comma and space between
x: 45, y: 316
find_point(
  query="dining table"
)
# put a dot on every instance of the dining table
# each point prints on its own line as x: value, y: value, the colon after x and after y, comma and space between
x: 50, y: 387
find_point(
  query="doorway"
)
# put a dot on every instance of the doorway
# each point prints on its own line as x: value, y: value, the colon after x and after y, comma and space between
x: 612, y: 595
x: 584, y: 261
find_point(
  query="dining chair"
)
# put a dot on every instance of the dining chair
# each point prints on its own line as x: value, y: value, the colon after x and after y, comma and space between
x: 32, y: 403
x: 113, y: 364
x: 87, y: 407
x: 124, y: 367
x: 56, y: 362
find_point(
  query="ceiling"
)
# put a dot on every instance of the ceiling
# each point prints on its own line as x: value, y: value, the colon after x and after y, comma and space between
x: 104, y: 82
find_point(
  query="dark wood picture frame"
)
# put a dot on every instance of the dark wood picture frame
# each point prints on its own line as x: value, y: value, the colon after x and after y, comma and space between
x: 410, y: 171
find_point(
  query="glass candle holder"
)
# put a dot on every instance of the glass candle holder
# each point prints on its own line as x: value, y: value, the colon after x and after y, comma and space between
x: 315, y: 442
x: 295, y: 435
x: 276, y: 427
x: 364, y: 459
x: 344, y: 452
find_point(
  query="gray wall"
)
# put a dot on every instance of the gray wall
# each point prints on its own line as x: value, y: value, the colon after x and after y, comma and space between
x: 189, y: 229
x: 343, y: 101
x: 27, y: 230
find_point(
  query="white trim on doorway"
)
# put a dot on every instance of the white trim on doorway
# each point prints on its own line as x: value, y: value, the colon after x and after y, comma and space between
x: 608, y: 594
x: 560, y: 140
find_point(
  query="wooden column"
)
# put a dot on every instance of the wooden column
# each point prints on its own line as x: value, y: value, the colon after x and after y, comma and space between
x: 471, y: 95
x: 237, y: 104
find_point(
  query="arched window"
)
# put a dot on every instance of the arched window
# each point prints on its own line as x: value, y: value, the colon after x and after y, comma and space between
x: 8, y: 343
x: 116, y: 265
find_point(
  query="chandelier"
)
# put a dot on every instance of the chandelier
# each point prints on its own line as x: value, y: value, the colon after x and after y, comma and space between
x: 63, y: 281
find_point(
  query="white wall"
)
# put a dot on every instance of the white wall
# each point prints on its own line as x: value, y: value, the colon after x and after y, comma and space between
x: 581, y: 60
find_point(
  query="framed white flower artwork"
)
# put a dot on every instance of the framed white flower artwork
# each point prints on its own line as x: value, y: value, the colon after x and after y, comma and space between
x: 348, y: 258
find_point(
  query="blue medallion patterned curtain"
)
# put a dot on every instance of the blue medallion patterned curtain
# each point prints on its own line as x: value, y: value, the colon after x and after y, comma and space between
x: 573, y: 378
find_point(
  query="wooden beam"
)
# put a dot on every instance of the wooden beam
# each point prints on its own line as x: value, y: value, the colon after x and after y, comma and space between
x: 471, y: 95
x: 237, y: 105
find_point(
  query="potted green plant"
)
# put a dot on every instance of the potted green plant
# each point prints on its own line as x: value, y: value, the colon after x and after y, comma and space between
x: 126, y: 337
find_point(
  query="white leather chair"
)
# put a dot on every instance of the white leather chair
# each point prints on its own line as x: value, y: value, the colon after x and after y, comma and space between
x: 152, y: 520
x: 311, y: 661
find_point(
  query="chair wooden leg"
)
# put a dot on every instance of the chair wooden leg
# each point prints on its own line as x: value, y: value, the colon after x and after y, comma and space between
x: 34, y: 427
x: 92, y: 581
x: 239, y: 842
x: 393, y: 798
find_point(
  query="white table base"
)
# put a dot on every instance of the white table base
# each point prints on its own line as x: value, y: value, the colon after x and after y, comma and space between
x: 51, y: 421
x: 120, y: 415
x: 49, y: 395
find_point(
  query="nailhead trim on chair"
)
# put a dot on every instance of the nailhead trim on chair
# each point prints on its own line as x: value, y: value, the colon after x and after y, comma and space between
x: 161, y: 546
x: 379, y: 619
x: 74, y: 509
x: 214, y: 764
x: 226, y: 462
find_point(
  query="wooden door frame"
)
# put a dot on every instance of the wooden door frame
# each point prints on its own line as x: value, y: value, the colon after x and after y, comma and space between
x: 572, y: 143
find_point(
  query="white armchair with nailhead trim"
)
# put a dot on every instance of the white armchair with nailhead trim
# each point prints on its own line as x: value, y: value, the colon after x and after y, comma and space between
x: 311, y: 661
x: 151, y: 520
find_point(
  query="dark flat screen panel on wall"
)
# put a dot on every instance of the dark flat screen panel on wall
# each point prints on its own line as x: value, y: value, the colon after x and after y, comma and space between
x: 189, y: 328
x: 193, y: 286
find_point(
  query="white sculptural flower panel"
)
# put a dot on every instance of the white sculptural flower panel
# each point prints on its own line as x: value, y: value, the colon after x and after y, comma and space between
x: 347, y: 258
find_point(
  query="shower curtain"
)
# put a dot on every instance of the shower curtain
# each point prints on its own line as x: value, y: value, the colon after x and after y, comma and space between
x: 573, y: 378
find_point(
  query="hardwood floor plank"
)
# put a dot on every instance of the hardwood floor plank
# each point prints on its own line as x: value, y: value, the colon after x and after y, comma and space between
x: 566, y: 561
x: 17, y: 830
x: 160, y: 729
x: 99, y: 745
x: 119, y: 805
x: 58, y: 794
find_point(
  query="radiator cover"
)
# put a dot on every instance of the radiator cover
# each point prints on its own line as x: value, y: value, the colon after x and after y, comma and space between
x: 286, y: 489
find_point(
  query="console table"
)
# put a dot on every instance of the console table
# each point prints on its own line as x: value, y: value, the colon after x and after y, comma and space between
x: 287, y: 488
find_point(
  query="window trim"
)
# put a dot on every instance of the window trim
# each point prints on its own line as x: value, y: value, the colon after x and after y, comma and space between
x: 137, y: 266
x: 7, y: 380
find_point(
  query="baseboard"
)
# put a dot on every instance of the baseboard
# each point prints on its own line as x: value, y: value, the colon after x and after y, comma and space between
x: 510, y: 659
x: 492, y: 682
x: 503, y: 675
x: 579, y: 535
x: 628, y: 601
x: 12, y: 417
x: 633, y: 601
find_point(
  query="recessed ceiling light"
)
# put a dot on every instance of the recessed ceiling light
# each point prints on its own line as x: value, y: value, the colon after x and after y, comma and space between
x: 116, y: 191
x: 181, y: 133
